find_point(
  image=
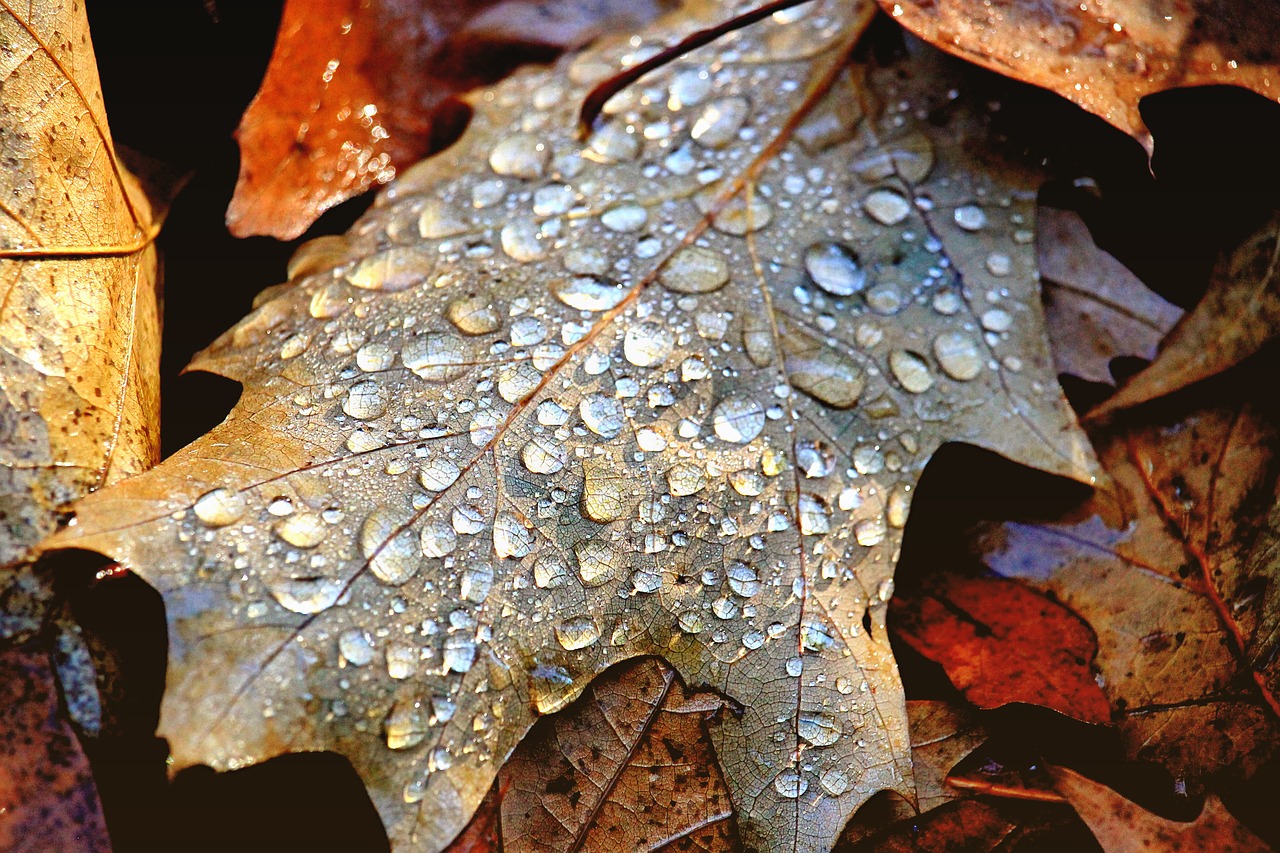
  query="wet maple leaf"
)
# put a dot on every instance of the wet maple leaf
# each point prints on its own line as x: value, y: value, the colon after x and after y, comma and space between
x: 1162, y: 568
x: 1106, y: 56
x: 554, y: 404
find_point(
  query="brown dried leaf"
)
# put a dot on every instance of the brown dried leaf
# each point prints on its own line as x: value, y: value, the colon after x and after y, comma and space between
x: 1159, y: 566
x: 554, y: 404
x: 1122, y: 826
x: 79, y: 333
x: 1239, y: 313
x: 47, y: 797
x: 941, y: 735
x: 1106, y: 56
x: 349, y: 93
x: 1096, y: 308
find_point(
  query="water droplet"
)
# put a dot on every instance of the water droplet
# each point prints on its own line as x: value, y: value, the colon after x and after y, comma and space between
x: 757, y: 338
x: 406, y: 724
x: 688, y: 88
x: 888, y: 207
x: 813, y: 515
x: 625, y: 217
x: 588, y: 293
x: 738, y: 419
x: 366, y: 400
x: 814, y: 459
x: 511, y: 538
x: 374, y: 357
x: 550, y: 413
x: 615, y: 142
x: 467, y: 520
x: 598, y: 562
x: 219, y: 507
x: 790, y: 784
x: 394, y: 269
x: 438, y: 539
x: 970, y: 217
x: 743, y: 579
x: 739, y: 216
x: 517, y: 381
x: 958, y: 354
x: 648, y: 344
x: 309, y: 594
x: 911, y: 370
x: 818, y: 729
x: 392, y: 559
x: 816, y: 636
x: 823, y: 373
x: 520, y: 156
x: 747, y: 482
x: 522, y: 240
x: 999, y: 264
x: 356, y: 647
x: 686, y: 478
x: 459, y: 654
x: 899, y: 505
x: 834, y: 268
x: 332, y: 300
x: 302, y: 530
x: 834, y: 781
x: 997, y: 320
x: 549, y: 572
x: 869, y: 532
x: 438, y: 473
x: 436, y: 356
x: 602, y: 414
x: 543, y: 455
x: 694, y: 269
x: 553, y: 199
x: 476, y: 581
x: 720, y: 121
x: 577, y: 632
x: 604, y: 484
x: 474, y: 314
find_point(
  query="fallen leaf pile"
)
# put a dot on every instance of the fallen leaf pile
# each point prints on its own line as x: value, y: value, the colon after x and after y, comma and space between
x: 567, y: 489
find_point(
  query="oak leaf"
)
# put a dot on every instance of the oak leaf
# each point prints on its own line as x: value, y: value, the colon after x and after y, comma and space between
x: 554, y: 404
x: 1106, y: 56
x: 349, y: 94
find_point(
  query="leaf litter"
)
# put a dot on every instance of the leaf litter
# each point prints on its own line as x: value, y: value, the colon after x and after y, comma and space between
x: 551, y: 405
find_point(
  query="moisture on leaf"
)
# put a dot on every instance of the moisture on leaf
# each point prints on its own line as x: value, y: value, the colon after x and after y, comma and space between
x: 557, y: 403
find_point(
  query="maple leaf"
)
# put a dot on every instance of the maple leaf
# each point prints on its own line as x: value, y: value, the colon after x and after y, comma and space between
x: 554, y: 404
x: 349, y: 95
x: 1106, y: 57
x: 1163, y: 568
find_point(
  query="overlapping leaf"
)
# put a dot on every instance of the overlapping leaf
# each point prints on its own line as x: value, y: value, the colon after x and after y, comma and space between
x: 553, y: 404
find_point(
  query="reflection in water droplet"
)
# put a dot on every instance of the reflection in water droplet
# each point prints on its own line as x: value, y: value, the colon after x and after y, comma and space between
x: 374, y: 357
x: 520, y: 156
x: 522, y: 240
x: 406, y: 724
x: 302, y: 530
x: 603, y: 415
x: 549, y: 571
x: 834, y: 268
x: 738, y: 419
x: 475, y: 314
x: 615, y: 142
x: 997, y: 320
x: 588, y: 293
x: 648, y: 344
x: 436, y: 356
x: 911, y: 370
x: 834, y: 781
x: 790, y: 784
x: 366, y: 400
x: 686, y: 478
x: 438, y: 220
x: 543, y: 455
x: 438, y: 473
x: 958, y: 354
x: 747, y: 482
x: 743, y: 579
x: 510, y: 537
x: 219, y: 507
x: 475, y: 583
x: 970, y: 217
x: 813, y: 515
x: 818, y: 729
x: 824, y: 374
x: 438, y: 539
x: 888, y: 207
x: 598, y: 562
x: 694, y: 269
x: 393, y: 560
x: 869, y: 532
x: 625, y: 217
x: 459, y: 654
x: 720, y: 121
x: 604, y: 484
x: 356, y: 646
x: 307, y: 594
x: 577, y: 632
x: 814, y: 459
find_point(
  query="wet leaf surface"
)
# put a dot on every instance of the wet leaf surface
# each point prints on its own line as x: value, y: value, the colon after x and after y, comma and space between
x: 552, y: 405
x: 1001, y: 642
x: 352, y: 87
x: 1106, y: 56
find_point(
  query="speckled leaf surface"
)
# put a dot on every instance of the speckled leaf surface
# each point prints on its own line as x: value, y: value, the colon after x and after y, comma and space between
x: 553, y: 404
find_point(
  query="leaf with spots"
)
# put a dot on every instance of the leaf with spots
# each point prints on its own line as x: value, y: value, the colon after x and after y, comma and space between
x: 557, y: 403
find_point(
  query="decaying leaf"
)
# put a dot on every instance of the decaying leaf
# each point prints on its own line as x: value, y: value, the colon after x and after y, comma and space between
x: 1097, y: 310
x: 1106, y: 56
x: 982, y: 826
x: 1239, y: 313
x: 1160, y: 568
x: 941, y: 735
x: 1001, y: 642
x: 1122, y: 826
x: 350, y: 90
x: 629, y: 766
x: 47, y: 798
x: 553, y: 404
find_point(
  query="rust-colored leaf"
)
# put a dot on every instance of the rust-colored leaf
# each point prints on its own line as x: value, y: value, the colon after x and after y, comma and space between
x: 1237, y: 316
x: 556, y: 403
x: 1096, y: 308
x: 981, y: 826
x: 47, y: 797
x: 1160, y: 568
x: 1000, y: 642
x: 350, y: 90
x: 1106, y: 56
x: 1122, y: 826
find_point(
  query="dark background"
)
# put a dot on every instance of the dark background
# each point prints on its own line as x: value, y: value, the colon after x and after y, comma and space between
x: 176, y: 76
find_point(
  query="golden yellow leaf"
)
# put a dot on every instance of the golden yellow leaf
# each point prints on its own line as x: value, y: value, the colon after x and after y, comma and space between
x: 79, y: 328
x: 553, y: 404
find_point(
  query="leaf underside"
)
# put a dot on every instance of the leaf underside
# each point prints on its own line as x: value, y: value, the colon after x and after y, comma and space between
x: 554, y: 404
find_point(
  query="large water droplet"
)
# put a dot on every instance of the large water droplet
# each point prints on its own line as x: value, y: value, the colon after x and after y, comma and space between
x: 438, y: 539
x: 686, y: 478
x: 543, y: 455
x: 720, y: 121
x: 510, y: 537
x: 436, y: 356
x: 958, y: 354
x: 790, y: 784
x: 366, y: 400
x: 818, y: 728
x: 604, y: 484
x: 694, y: 269
x: 459, y: 654
x: 392, y: 559
x: 439, y: 219
x: 577, y: 632
x: 518, y: 381
x: 307, y: 594
x: 648, y: 344
x: 813, y: 516
x: 823, y: 373
x: 834, y: 268
x: 911, y: 370
x: 474, y: 314
x: 520, y: 156
x: 406, y: 724
x: 888, y: 207
x: 602, y: 414
x: 475, y: 583
x: 814, y: 459
x: 588, y: 293
x: 356, y: 646
x: 970, y: 217
x: 374, y: 357
x: 302, y: 530
x: 219, y: 507
x: 522, y: 240
x: 598, y: 562
x: 738, y: 419
x: 625, y: 218
x: 549, y: 571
